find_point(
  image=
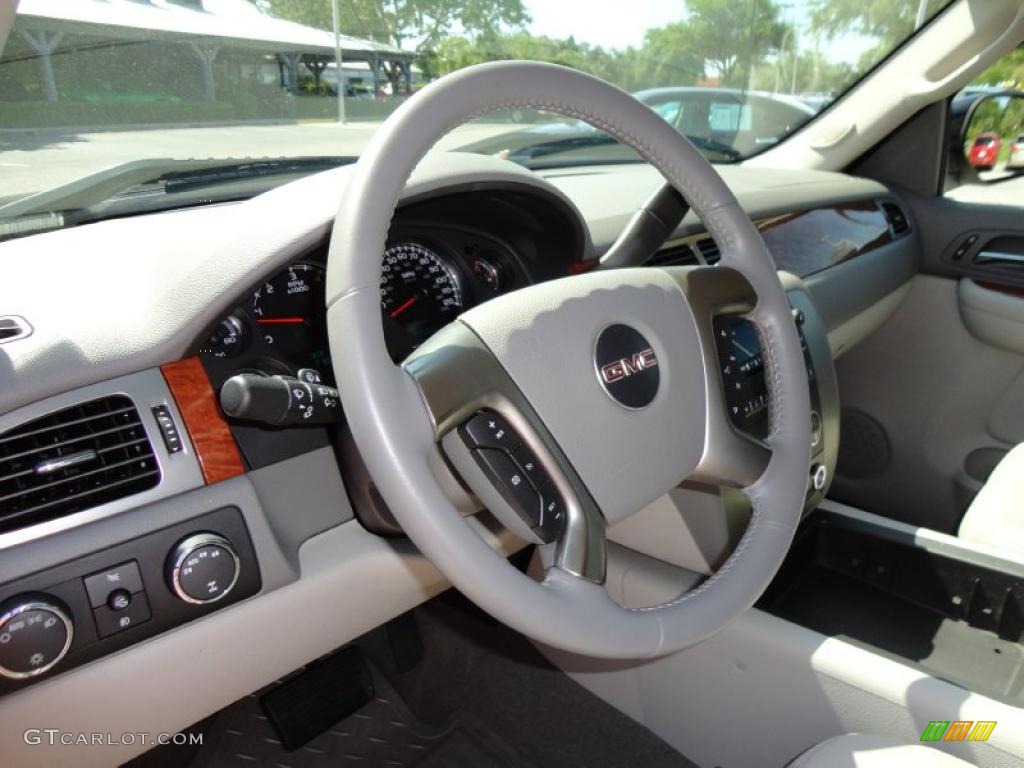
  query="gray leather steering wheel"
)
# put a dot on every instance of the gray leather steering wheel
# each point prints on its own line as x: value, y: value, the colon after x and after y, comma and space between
x: 615, y: 417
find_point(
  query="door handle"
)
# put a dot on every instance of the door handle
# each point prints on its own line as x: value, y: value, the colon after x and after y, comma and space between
x: 998, y: 257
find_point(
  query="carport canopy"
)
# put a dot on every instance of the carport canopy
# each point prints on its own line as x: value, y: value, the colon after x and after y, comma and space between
x: 203, y: 25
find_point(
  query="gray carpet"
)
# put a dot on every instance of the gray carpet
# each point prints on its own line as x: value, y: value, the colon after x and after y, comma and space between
x: 480, y: 696
x: 472, y: 664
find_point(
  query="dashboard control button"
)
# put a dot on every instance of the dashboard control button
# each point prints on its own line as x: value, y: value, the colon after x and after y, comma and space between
x: 815, y: 429
x: 168, y: 429
x: 512, y: 482
x: 281, y: 401
x: 309, y: 375
x: 124, y: 577
x: 488, y: 429
x: 110, y: 621
x: 819, y: 476
x: 202, y: 568
x: 35, y: 634
x: 119, y: 599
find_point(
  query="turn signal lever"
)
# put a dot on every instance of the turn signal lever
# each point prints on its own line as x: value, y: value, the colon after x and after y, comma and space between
x: 281, y: 401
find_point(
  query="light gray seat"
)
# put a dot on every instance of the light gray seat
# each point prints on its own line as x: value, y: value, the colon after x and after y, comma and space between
x: 996, y: 516
x: 862, y: 750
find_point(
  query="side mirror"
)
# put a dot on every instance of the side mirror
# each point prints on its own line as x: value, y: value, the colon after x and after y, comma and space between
x: 993, y: 136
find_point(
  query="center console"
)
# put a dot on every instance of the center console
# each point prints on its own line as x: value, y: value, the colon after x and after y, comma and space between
x: 920, y: 597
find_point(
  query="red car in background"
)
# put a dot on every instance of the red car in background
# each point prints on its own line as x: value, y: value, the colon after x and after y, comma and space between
x: 984, y: 151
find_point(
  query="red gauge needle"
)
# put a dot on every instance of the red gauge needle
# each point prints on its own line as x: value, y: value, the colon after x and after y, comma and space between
x: 280, y: 320
x: 402, y: 307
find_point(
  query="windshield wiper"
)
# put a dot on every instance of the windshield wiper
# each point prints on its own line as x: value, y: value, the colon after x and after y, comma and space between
x: 540, y: 154
x: 201, y: 178
x: 143, y: 186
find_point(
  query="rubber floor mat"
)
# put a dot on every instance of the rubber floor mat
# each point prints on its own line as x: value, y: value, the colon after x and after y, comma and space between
x: 383, y: 733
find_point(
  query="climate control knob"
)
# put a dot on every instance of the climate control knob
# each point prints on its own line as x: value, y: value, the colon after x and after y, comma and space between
x: 35, y: 634
x: 202, y: 568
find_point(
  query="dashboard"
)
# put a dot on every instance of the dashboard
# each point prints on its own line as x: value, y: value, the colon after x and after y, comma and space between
x: 239, y: 289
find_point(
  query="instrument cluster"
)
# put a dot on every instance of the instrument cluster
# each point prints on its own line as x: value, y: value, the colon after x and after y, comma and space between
x: 429, y: 276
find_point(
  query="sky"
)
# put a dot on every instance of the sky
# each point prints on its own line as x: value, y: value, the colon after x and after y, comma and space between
x: 608, y: 23
x: 621, y: 23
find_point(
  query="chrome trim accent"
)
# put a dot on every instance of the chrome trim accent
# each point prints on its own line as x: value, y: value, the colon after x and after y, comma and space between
x: 819, y: 477
x: 179, y: 472
x: 186, y: 547
x: 996, y: 257
x: 37, y: 605
x: 71, y: 460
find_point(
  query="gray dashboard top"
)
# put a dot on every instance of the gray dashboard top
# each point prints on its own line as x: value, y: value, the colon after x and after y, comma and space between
x: 122, y: 295
x: 607, y: 196
x: 119, y: 296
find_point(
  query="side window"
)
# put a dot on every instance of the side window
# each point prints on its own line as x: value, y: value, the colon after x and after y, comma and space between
x: 669, y: 111
x: 729, y: 116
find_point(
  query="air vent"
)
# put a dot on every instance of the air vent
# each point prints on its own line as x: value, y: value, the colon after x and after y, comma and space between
x: 676, y: 256
x: 74, y: 459
x: 13, y: 327
x: 897, y: 218
x: 709, y: 250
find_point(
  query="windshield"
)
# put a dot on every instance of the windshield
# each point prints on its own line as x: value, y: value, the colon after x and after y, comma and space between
x: 102, y: 102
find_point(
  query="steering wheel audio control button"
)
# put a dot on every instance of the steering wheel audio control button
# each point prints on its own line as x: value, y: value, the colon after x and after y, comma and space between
x: 488, y: 429
x: 512, y: 482
x: 552, y: 512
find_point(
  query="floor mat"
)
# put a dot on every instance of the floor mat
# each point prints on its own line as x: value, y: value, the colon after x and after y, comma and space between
x: 479, y: 696
x: 383, y: 733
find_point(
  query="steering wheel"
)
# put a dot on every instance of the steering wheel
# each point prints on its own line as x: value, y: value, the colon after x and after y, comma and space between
x: 609, y: 383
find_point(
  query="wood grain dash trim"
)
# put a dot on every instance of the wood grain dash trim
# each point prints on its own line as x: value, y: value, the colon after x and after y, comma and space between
x: 211, y: 437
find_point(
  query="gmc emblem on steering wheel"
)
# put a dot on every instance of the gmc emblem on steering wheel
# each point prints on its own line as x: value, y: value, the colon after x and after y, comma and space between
x: 627, y: 366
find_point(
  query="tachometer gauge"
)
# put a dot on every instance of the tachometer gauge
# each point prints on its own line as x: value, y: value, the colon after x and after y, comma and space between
x: 290, y: 314
x: 419, y: 290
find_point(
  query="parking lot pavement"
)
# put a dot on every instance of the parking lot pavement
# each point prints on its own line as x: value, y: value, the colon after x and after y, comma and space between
x: 1010, y: 192
x: 35, y: 161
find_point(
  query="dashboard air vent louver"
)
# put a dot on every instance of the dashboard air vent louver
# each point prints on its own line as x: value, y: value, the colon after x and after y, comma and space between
x: 897, y: 218
x: 676, y: 256
x: 74, y: 459
x: 709, y: 250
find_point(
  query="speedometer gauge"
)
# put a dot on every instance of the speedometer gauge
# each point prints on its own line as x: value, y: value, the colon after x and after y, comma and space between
x: 419, y: 290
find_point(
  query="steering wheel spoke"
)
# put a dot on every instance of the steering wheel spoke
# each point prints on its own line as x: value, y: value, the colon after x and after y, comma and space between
x: 503, y: 452
x: 730, y: 457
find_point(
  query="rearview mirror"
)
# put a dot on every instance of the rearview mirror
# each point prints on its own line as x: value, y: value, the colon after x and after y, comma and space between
x: 993, y: 141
